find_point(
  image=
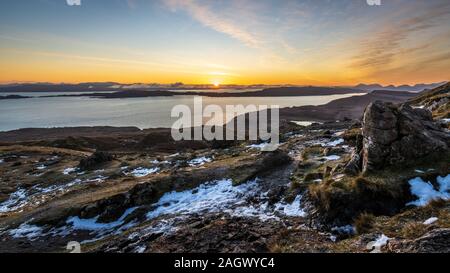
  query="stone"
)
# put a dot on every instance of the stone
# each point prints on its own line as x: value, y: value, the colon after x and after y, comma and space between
x: 95, y: 160
x: 390, y: 132
x: 435, y: 241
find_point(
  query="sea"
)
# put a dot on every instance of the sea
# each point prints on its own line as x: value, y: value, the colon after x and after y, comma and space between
x: 40, y: 111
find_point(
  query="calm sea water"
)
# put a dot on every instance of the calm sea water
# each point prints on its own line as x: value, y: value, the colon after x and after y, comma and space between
x: 152, y: 112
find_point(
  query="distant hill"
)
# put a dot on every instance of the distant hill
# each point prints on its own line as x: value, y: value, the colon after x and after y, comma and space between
x: 270, y: 92
x: 346, y: 108
x: 413, y: 88
x: 436, y: 100
x: 48, y: 87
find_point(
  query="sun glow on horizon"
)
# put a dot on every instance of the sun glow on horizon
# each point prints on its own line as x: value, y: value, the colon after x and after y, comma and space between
x: 309, y: 43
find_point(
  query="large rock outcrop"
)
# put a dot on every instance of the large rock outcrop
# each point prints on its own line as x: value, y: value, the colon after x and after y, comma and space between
x: 400, y: 136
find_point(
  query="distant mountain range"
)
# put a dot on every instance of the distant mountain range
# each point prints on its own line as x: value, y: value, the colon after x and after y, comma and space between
x: 286, y: 89
x: 412, y: 88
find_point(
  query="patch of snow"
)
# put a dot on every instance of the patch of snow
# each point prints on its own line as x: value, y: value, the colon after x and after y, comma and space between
x: 331, y: 157
x: 91, y: 224
x: 157, y: 162
x: 1, y: 161
x: 317, y: 180
x: 333, y: 143
x: 161, y: 226
x: 37, y: 194
x: 445, y: 120
x: 222, y: 196
x: 16, y: 201
x: 140, y: 249
x: 142, y: 172
x: 68, y: 171
x: 199, y: 161
x: 293, y: 209
x: 25, y: 230
x: 430, y: 221
x: 303, y: 123
x: 264, y: 147
x: 41, y: 167
x: 380, y: 242
x: 419, y: 171
x: 426, y: 192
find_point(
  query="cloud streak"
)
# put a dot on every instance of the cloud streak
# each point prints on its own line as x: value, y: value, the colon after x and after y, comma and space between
x: 381, y: 49
x: 204, y: 14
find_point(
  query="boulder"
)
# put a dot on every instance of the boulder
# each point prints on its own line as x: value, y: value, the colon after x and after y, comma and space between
x: 399, y: 136
x: 95, y: 160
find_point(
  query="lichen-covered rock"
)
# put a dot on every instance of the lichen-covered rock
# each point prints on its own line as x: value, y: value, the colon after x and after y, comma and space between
x: 400, y: 135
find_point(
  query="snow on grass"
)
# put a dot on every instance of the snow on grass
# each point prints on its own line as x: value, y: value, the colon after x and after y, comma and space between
x: 426, y: 192
x: 91, y: 224
x: 32, y: 232
x: 333, y: 143
x: 260, y: 146
x: 25, y: 230
x: 430, y: 221
x: 142, y: 172
x: 68, y: 171
x: 157, y: 162
x: 222, y: 196
x: 293, y: 209
x: 331, y: 157
x: 380, y: 242
x: 264, y: 147
x: 303, y: 123
x: 140, y: 249
x: 38, y: 194
x: 199, y: 161
x: 16, y: 201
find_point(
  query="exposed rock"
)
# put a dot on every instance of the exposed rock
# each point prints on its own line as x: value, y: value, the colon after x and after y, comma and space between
x: 390, y: 131
x: 354, y: 166
x: 435, y: 241
x: 95, y: 160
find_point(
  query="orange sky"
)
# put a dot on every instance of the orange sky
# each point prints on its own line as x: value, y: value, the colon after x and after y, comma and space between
x: 229, y: 42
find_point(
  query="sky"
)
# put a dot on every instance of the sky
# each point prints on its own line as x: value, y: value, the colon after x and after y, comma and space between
x: 302, y: 42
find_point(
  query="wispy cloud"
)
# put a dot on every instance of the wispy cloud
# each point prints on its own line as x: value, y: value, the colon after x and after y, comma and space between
x: 389, y: 40
x: 204, y: 13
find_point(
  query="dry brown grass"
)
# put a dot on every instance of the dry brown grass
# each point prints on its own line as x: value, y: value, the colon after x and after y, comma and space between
x: 364, y: 223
